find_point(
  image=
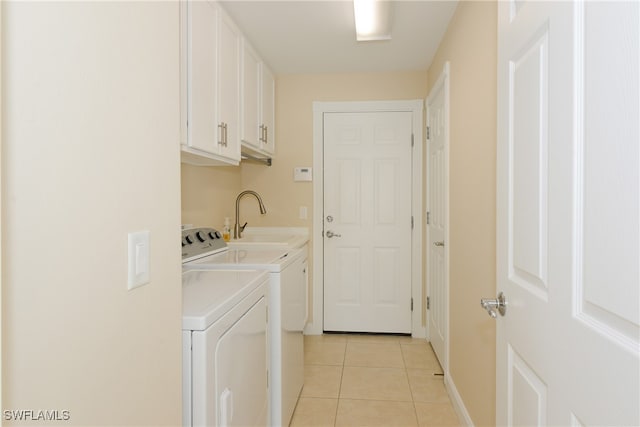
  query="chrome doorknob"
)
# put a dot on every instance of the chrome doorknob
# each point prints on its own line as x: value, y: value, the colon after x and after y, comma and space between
x: 491, y: 305
x: 331, y: 234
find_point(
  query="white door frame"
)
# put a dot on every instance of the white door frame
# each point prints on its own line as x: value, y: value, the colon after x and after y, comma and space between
x: 441, y: 84
x: 416, y: 107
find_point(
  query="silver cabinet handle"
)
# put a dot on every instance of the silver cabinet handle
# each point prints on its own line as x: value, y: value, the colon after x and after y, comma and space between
x: 438, y: 243
x: 331, y: 234
x: 221, y: 139
x: 491, y: 305
x: 223, y: 134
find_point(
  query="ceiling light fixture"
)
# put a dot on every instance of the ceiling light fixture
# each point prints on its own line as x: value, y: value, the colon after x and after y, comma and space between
x: 373, y: 19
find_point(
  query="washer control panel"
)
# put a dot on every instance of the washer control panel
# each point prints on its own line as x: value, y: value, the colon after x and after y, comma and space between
x: 198, y: 242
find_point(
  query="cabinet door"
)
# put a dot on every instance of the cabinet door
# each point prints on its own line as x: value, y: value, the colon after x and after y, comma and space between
x: 268, y: 109
x: 229, y: 86
x: 202, y: 131
x: 250, y: 97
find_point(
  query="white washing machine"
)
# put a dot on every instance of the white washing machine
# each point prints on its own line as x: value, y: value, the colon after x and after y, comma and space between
x: 287, y: 312
x: 225, y: 347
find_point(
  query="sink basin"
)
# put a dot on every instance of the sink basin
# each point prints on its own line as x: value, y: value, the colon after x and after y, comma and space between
x: 271, y: 237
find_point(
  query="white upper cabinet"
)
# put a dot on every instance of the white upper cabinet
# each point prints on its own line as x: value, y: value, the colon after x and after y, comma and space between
x: 210, y: 79
x: 258, y: 97
x: 229, y: 44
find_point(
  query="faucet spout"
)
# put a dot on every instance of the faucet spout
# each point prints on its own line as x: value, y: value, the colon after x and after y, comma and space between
x: 238, y: 229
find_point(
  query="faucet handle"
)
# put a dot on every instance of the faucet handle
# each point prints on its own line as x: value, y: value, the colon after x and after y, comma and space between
x: 243, y: 226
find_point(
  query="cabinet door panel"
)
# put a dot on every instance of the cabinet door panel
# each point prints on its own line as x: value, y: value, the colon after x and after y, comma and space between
x: 202, y: 76
x: 250, y: 97
x: 229, y: 86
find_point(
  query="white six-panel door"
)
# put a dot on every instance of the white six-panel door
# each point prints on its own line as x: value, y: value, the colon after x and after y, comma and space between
x: 568, y: 213
x: 367, y: 221
x: 436, y: 249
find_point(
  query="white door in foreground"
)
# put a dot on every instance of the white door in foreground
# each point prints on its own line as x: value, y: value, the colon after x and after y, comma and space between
x: 568, y: 213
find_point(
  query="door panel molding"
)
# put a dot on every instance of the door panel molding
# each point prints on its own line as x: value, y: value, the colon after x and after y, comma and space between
x: 416, y: 107
x: 613, y: 312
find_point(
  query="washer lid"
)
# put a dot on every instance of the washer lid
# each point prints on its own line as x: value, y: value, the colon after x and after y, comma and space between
x: 257, y: 259
x: 209, y: 294
x: 272, y: 260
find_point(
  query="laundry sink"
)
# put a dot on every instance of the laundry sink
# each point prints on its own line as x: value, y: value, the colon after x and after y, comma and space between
x: 271, y: 237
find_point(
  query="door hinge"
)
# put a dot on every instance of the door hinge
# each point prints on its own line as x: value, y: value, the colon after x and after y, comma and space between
x: 428, y: 218
x: 428, y: 132
x: 411, y: 304
x: 412, y: 140
x: 428, y: 303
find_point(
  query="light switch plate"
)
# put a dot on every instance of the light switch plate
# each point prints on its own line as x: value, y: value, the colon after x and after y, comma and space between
x: 302, y: 174
x: 138, y: 259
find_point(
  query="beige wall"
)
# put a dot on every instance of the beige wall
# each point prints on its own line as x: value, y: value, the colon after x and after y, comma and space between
x: 90, y: 129
x: 470, y: 46
x: 209, y: 194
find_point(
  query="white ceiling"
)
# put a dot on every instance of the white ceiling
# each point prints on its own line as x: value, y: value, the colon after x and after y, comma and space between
x: 318, y: 36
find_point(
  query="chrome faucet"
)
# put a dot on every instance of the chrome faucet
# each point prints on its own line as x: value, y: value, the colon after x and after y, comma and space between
x: 237, y: 228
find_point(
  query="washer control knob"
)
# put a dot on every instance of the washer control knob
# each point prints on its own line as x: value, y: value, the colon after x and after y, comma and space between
x: 218, y: 235
x: 201, y: 236
x: 189, y: 239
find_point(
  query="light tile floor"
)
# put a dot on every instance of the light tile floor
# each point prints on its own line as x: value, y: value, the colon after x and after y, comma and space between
x: 372, y: 380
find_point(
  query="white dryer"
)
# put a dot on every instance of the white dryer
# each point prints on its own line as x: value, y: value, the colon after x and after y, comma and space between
x: 287, y: 312
x: 225, y: 347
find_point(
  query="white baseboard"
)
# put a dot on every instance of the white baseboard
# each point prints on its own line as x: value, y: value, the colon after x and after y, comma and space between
x: 420, y: 332
x: 312, y: 329
x: 456, y: 401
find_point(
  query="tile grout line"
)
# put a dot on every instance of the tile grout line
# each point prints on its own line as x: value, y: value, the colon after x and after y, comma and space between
x: 413, y: 399
x: 344, y: 356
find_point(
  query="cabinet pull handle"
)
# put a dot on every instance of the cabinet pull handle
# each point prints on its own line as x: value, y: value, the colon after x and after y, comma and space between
x: 221, y: 138
x: 226, y: 135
